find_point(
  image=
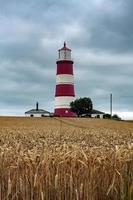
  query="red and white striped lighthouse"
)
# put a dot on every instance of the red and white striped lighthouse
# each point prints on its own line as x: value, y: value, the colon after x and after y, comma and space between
x: 64, y: 93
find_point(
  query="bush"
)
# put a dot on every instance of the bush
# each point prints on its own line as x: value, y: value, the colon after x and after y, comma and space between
x: 116, y: 117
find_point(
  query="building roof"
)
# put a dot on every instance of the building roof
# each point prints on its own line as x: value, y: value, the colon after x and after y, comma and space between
x: 39, y: 111
x: 97, y: 112
x: 65, y: 47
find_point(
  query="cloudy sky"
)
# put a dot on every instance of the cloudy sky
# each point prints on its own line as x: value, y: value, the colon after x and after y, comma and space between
x: 100, y: 34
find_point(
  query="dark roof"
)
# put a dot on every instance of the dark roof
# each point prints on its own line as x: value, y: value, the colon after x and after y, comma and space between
x: 94, y: 112
x: 39, y: 111
x: 65, y: 47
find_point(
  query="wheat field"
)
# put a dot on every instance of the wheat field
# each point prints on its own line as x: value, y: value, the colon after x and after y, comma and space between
x: 65, y: 159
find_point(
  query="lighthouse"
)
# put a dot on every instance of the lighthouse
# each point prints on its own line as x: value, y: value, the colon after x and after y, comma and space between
x: 64, y: 91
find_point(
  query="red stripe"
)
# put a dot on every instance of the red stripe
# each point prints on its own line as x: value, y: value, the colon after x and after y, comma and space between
x: 64, y: 90
x: 64, y: 112
x: 64, y: 67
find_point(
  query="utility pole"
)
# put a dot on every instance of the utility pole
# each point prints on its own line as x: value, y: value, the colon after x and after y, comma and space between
x: 111, y: 102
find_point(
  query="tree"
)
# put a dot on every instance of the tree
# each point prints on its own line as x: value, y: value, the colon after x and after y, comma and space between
x: 115, y: 116
x: 81, y: 106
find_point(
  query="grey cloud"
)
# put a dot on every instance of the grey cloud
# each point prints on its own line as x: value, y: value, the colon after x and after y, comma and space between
x: 108, y: 27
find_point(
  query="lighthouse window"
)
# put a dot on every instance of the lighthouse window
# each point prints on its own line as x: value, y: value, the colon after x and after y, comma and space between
x: 65, y: 54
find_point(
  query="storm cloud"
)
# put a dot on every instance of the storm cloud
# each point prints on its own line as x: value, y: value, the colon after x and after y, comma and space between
x: 100, y: 34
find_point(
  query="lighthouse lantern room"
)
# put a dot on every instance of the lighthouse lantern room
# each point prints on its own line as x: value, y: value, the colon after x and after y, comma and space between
x: 64, y: 92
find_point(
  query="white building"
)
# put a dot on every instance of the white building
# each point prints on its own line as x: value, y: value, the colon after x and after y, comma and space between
x: 37, y: 112
x: 94, y: 114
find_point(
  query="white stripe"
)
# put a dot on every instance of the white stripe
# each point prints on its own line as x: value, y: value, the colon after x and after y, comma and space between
x: 62, y: 106
x: 63, y: 102
x: 64, y: 79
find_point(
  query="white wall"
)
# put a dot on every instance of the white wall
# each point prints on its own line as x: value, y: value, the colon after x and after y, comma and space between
x: 37, y: 115
x: 95, y: 116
